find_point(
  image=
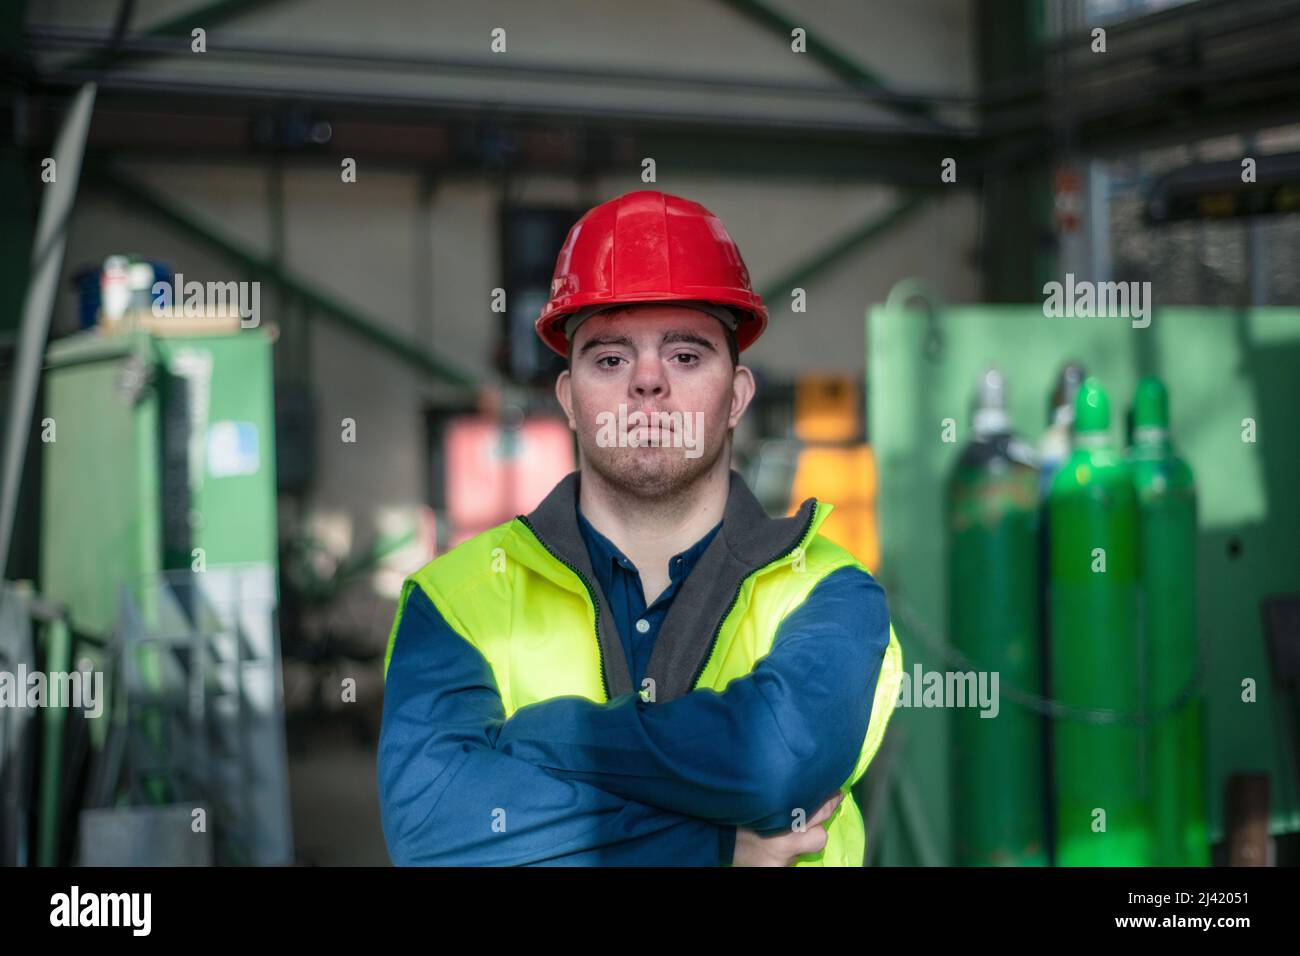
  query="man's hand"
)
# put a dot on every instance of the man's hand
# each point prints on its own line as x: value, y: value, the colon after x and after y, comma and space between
x: 782, y: 849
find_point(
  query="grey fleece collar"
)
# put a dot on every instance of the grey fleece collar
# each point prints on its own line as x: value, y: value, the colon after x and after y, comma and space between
x: 748, y: 540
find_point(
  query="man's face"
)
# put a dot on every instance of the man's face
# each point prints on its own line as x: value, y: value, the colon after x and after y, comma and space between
x: 669, y: 364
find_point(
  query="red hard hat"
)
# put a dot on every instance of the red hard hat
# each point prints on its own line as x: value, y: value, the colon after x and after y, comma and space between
x: 648, y: 246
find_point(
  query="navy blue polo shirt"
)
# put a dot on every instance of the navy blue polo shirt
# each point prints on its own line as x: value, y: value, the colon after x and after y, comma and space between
x: 620, y: 581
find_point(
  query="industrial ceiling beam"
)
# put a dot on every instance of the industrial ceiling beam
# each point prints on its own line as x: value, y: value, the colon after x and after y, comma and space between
x: 855, y: 74
x: 170, y: 123
x: 206, y: 16
x: 338, y: 57
x: 838, y: 249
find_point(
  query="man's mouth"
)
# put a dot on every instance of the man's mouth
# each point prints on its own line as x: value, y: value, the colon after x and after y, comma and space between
x: 652, y: 420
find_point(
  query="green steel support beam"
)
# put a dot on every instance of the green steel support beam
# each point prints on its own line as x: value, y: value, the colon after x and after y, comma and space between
x: 841, y: 65
x: 1018, y: 244
x: 19, y: 177
x: 838, y: 249
x: 206, y: 16
x: 57, y: 660
x: 144, y: 199
x: 1010, y: 41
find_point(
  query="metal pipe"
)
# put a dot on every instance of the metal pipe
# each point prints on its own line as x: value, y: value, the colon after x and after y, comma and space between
x: 58, y: 656
x: 47, y: 261
x: 372, y: 59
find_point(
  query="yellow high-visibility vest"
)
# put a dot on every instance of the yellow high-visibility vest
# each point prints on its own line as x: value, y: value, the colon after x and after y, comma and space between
x: 524, y: 594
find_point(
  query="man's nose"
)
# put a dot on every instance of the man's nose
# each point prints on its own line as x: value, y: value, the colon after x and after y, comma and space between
x: 648, y: 377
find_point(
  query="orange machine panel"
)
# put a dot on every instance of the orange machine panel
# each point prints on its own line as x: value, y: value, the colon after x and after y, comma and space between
x: 846, y: 477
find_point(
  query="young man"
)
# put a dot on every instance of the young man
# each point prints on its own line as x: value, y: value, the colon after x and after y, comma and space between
x: 647, y: 669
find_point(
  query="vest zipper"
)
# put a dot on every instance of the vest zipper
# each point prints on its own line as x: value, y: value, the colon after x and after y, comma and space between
x: 713, y: 642
x: 595, y: 601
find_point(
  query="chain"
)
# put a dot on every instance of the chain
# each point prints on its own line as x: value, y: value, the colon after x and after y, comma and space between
x: 1047, y: 706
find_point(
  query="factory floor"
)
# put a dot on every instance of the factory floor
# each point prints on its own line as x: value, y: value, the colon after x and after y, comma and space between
x: 333, y: 796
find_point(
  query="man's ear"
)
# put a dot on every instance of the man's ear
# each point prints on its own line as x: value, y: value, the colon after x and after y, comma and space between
x: 564, y: 394
x: 742, y: 393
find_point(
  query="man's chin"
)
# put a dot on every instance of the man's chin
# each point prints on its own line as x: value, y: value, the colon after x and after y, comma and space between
x: 651, y: 472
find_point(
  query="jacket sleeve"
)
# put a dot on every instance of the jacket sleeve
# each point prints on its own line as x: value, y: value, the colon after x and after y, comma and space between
x: 777, y: 740
x: 448, y: 798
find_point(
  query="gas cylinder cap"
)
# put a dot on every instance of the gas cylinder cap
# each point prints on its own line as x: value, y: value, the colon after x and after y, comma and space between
x: 1151, y: 404
x: 993, y: 389
x: 1091, y: 408
x: 991, y: 403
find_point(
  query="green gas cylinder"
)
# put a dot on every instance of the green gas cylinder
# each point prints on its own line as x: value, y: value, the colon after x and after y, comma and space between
x: 1054, y: 446
x: 1167, y: 561
x: 997, y: 761
x: 1101, y: 816
x: 1053, y: 449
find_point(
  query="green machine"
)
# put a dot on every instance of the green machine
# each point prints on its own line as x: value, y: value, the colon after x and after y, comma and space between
x: 1175, y: 710
x: 1232, y: 391
x: 1101, y: 810
x: 159, y: 535
x: 163, y: 457
x: 997, y: 799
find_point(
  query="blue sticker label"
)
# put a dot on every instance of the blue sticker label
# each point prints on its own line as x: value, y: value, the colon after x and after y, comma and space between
x: 232, y: 449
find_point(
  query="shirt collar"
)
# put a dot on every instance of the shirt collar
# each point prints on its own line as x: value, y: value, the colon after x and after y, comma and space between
x: 605, y: 554
x: 748, y: 540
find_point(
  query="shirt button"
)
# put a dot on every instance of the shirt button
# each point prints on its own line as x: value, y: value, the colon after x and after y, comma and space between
x: 642, y: 626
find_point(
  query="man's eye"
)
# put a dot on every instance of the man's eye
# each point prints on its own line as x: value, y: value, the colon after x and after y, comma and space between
x: 690, y: 357
x: 608, y: 358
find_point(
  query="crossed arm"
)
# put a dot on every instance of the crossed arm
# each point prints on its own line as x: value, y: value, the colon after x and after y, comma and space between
x: 448, y: 798
x: 568, y: 780
x: 781, y: 738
